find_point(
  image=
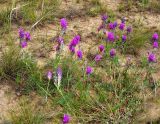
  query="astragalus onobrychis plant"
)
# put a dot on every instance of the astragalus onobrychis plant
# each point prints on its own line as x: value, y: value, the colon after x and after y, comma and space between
x: 106, y: 89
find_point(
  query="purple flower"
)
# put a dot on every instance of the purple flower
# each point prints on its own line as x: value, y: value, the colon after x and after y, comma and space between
x: 129, y: 29
x: 151, y: 57
x: 115, y: 24
x: 27, y: 36
x: 63, y: 23
x: 101, y: 48
x: 104, y: 17
x: 124, y: 38
x: 66, y: 119
x: 155, y: 37
x: 75, y: 40
x: 111, y: 26
x: 79, y: 54
x: 78, y: 38
x: 72, y: 48
x: 59, y: 73
x: 98, y: 58
x: 21, y: 33
x: 112, y: 52
x: 89, y: 70
x: 155, y: 44
x: 60, y: 40
x: 122, y: 26
x: 100, y: 27
x: 111, y: 36
x: 49, y: 75
x: 23, y: 44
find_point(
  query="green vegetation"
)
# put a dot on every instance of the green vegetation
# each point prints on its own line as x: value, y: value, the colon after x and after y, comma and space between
x: 113, y: 91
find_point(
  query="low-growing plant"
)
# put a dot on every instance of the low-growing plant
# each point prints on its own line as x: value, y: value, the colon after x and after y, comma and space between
x: 95, y: 8
x: 136, y: 41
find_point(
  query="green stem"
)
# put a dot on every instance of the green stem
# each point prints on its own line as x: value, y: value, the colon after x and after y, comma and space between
x: 64, y: 98
x: 47, y: 90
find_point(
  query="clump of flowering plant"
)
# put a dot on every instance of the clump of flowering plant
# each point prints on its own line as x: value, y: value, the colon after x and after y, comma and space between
x: 60, y: 40
x: 24, y: 37
x: 74, y: 42
x: 102, y: 26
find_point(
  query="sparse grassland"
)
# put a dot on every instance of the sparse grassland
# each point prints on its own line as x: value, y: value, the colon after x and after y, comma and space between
x: 103, y: 68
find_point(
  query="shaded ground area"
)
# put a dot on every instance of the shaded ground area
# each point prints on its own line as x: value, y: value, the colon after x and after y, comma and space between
x: 8, y: 101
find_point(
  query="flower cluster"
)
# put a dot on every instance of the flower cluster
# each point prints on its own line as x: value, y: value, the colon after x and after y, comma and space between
x: 155, y: 40
x: 63, y: 23
x: 151, y: 55
x: 112, y: 35
x: 74, y: 42
x: 24, y: 37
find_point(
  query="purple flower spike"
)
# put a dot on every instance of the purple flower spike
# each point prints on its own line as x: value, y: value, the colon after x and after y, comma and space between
x: 66, y: 119
x: 151, y: 57
x: 28, y: 36
x: 101, y: 48
x: 122, y: 26
x: 98, y: 58
x: 59, y: 73
x: 89, y: 70
x: 49, y: 75
x: 72, y: 49
x: 155, y: 37
x: 79, y: 54
x: 129, y: 29
x: 111, y: 26
x: 112, y: 52
x: 100, y: 27
x: 124, y: 38
x: 104, y: 17
x: 21, y: 33
x: 155, y: 44
x: 75, y: 40
x: 23, y: 44
x: 63, y: 23
x: 115, y: 24
x: 111, y: 36
x: 78, y: 38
